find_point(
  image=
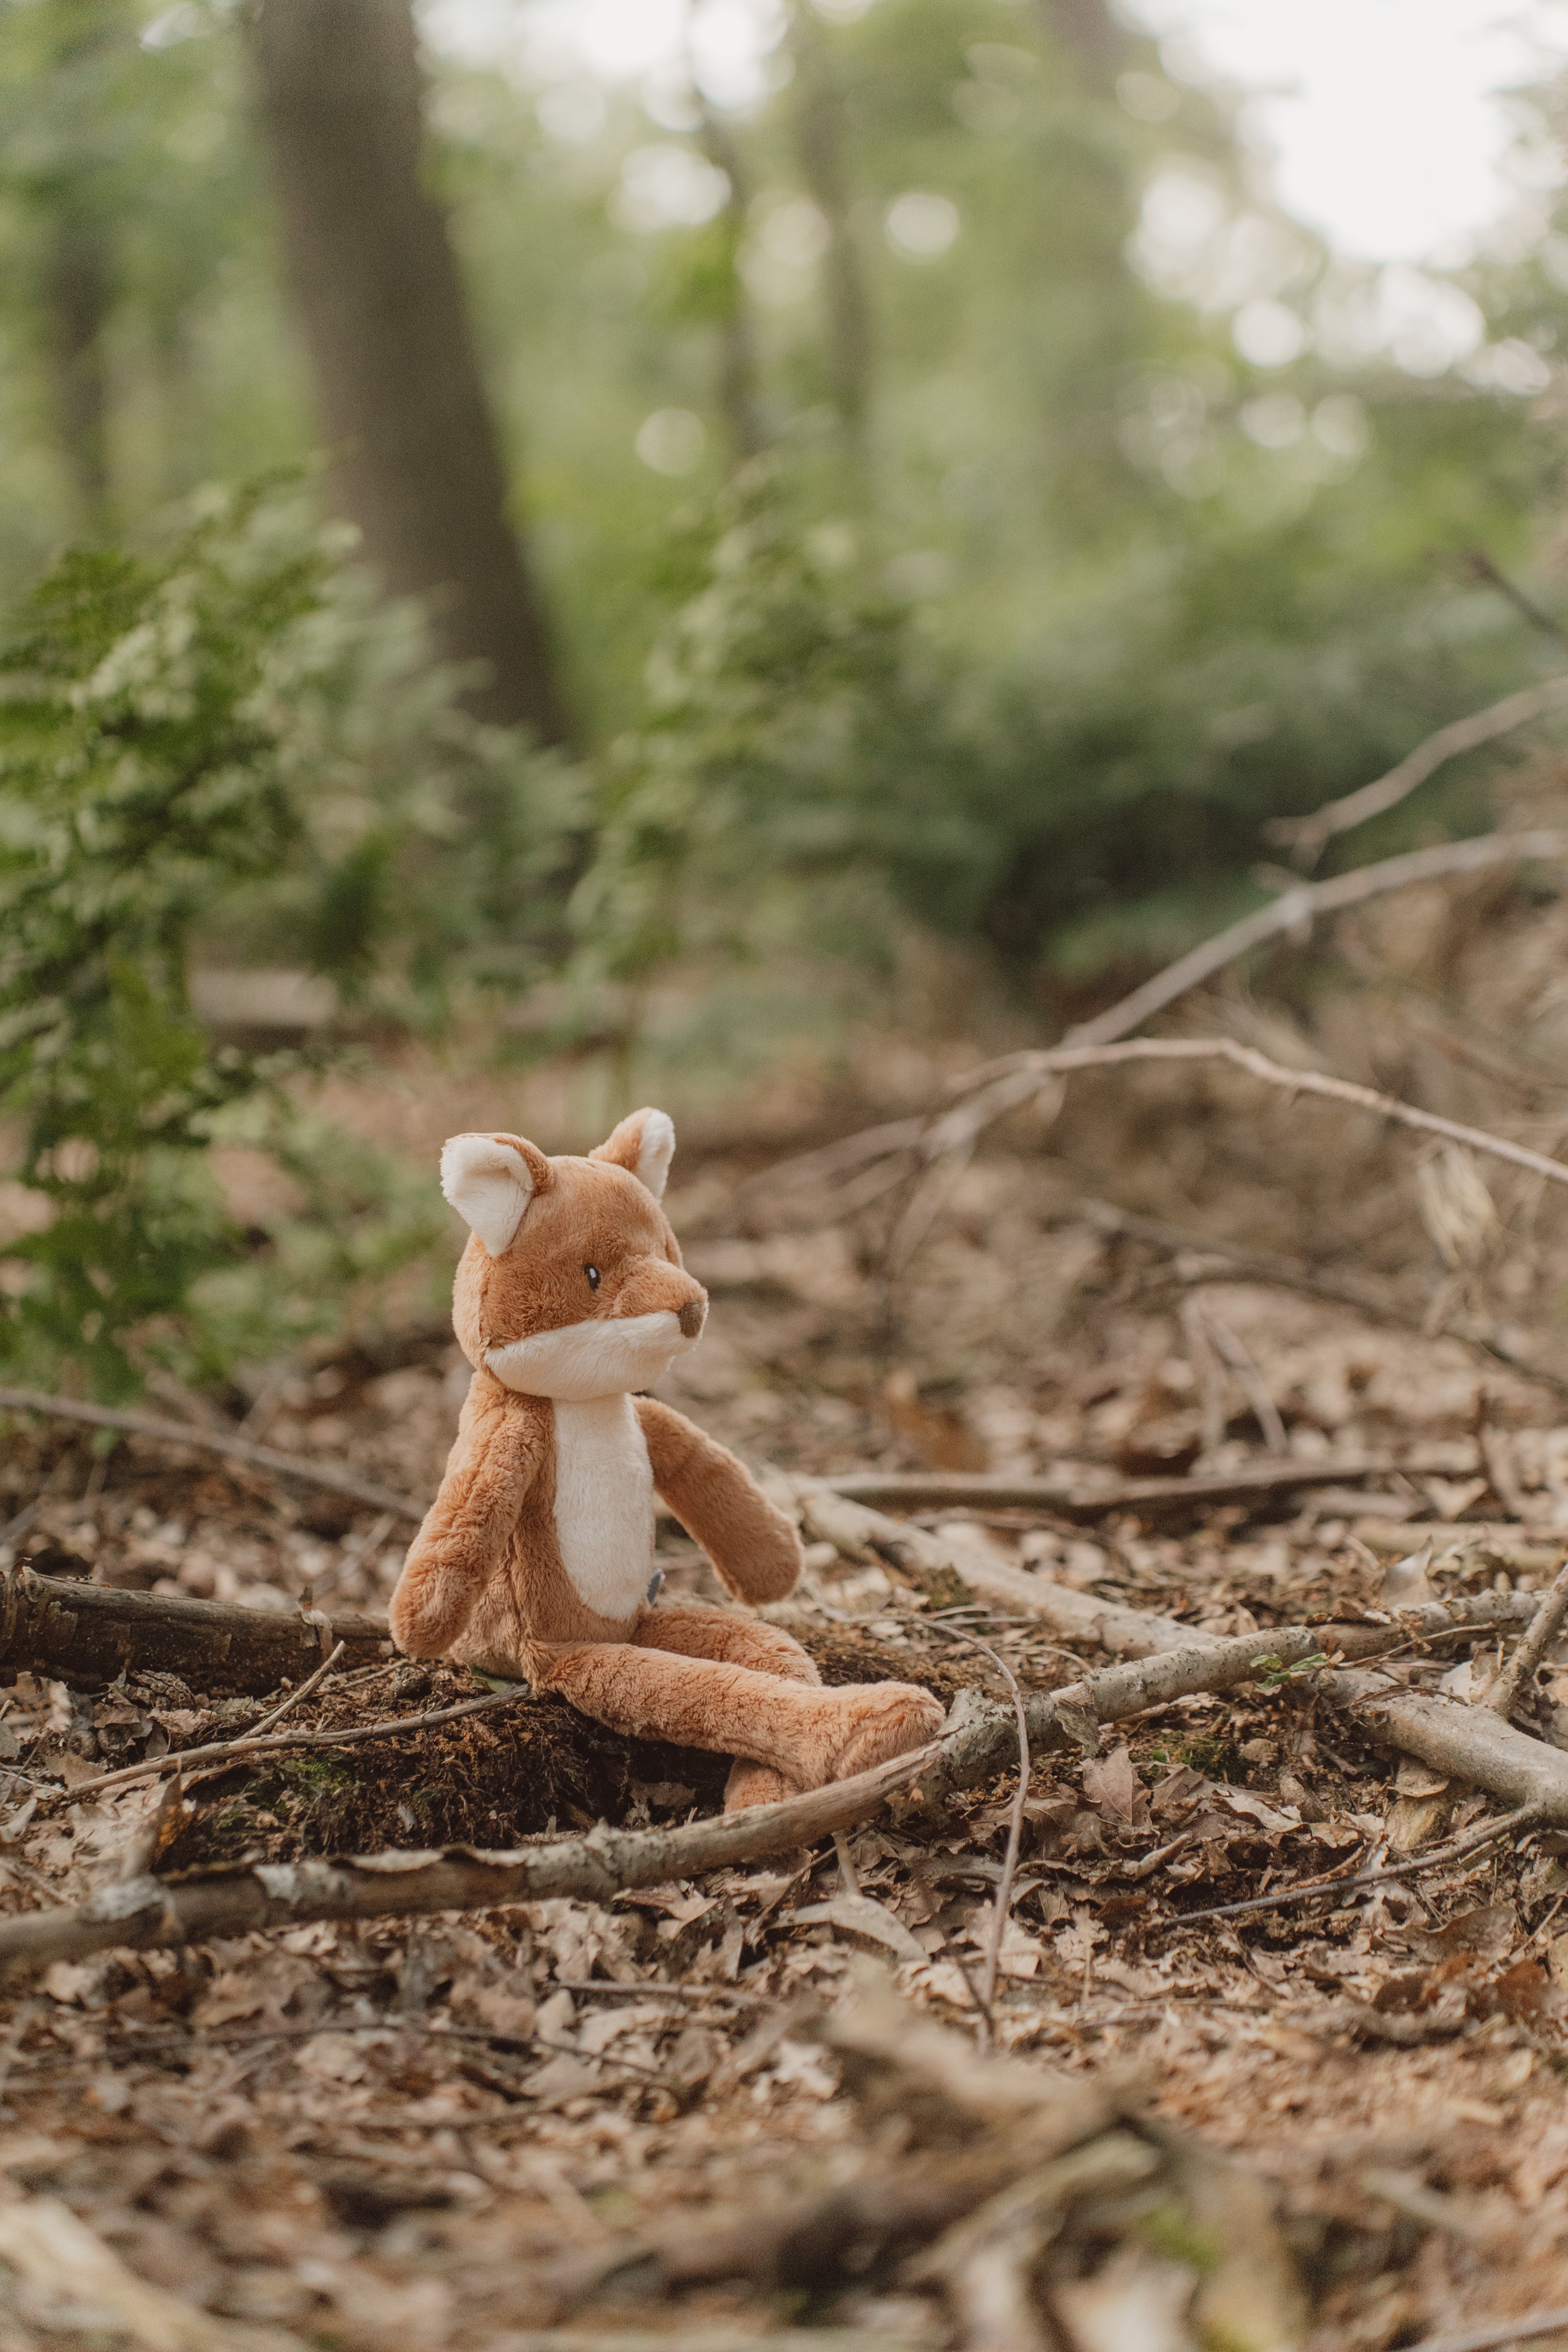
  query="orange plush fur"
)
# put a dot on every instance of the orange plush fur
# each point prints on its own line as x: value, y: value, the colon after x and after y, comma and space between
x: 536, y: 1556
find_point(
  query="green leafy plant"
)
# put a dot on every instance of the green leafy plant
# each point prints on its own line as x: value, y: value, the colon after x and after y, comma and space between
x: 219, y: 742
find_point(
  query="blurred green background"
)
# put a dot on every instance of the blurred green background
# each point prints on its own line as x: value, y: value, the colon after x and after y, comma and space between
x: 534, y: 539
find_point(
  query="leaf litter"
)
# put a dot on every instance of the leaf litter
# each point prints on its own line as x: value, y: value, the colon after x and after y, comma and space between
x: 690, y: 2115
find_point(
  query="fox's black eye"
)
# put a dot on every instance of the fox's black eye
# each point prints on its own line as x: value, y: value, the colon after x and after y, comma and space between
x: 592, y: 1274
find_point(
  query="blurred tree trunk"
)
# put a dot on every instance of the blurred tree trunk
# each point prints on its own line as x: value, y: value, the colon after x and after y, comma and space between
x: 415, y: 461
x: 71, y: 199
x: 75, y: 298
x: 737, y: 387
x: 1090, y: 31
x: 819, y: 132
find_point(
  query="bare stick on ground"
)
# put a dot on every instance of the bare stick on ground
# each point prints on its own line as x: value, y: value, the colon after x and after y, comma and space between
x: 1544, y: 1627
x: 1060, y: 1061
x: 1084, y: 1499
x: 212, y: 1440
x: 1015, y: 1821
x: 297, y: 1698
x: 1466, y: 1743
x: 1306, y: 835
x: 934, y: 1564
x: 1301, y: 906
x: 1459, y: 1849
x: 91, y: 1633
x: 226, y: 1751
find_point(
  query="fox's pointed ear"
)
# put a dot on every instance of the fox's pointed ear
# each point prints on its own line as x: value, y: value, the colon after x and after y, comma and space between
x: 644, y: 1143
x: 489, y: 1179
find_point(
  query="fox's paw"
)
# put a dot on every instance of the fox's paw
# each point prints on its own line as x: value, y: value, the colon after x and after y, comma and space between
x: 885, y: 1720
x: 426, y: 1619
x: 755, y: 1784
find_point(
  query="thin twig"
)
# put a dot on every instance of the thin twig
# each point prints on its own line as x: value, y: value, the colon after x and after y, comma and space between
x: 1284, y: 1274
x: 1015, y: 1823
x: 1059, y: 1061
x: 241, y: 2036
x: 211, y: 1440
x: 296, y: 1698
x: 252, y: 1744
x: 1306, y: 835
x: 1458, y: 1850
x: 1235, y: 1354
x: 1301, y: 906
x: 1480, y: 566
x: 849, y: 1878
x: 22, y: 1522
x: 1520, y: 1670
x: 1499, y: 2333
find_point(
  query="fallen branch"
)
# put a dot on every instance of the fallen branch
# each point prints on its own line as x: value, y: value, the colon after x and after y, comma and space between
x: 296, y: 1698
x: 226, y: 1751
x: 1060, y: 1061
x: 1500, y: 2334
x: 212, y: 1440
x: 936, y: 1565
x: 1520, y: 1672
x: 1228, y: 1264
x: 1467, y: 1743
x: 145, y: 1913
x: 87, y: 1634
x: 1459, y: 1849
x: 1079, y: 1499
x: 1298, y: 908
x: 1306, y: 835
x: 1004, y: 1903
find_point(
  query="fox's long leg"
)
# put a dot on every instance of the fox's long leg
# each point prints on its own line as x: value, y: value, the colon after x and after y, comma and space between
x: 809, y: 1736
x: 725, y: 1634
x: 700, y: 1632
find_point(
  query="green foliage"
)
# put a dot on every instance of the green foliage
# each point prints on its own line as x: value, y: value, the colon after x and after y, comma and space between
x: 220, y: 742
x: 787, y: 704
x: 820, y: 758
x: 1027, y: 650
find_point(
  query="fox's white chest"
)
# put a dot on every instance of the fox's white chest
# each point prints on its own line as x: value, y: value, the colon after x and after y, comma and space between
x: 604, y: 1503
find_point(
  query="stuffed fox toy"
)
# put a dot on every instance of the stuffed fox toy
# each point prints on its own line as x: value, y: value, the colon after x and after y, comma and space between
x: 536, y: 1557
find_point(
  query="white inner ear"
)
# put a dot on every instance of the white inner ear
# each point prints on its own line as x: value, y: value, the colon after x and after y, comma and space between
x: 655, y: 1153
x: 489, y: 1186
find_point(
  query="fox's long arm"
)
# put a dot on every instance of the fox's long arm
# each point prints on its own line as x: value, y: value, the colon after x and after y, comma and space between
x: 753, y: 1546
x: 466, y: 1529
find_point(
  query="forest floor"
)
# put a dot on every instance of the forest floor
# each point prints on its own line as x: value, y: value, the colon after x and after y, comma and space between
x: 469, y: 2130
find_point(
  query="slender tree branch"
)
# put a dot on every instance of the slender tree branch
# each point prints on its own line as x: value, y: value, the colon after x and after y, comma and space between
x: 1015, y: 1823
x: 226, y: 1751
x: 1309, y: 1282
x: 1306, y: 835
x: 1301, y: 906
x: 145, y: 1912
x: 1059, y: 1061
x: 212, y: 1441
x: 1082, y: 1498
x: 1281, y: 1898
x: 1500, y: 2334
x: 1544, y: 1627
x: 297, y: 1698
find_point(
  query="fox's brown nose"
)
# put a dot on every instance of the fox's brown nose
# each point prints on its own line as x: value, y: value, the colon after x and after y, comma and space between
x: 692, y: 1317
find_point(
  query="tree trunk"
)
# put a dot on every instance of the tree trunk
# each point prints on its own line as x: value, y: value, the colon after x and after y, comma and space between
x: 1090, y: 32
x: 75, y: 289
x: 88, y: 1635
x: 819, y: 133
x: 737, y: 386
x: 414, y: 457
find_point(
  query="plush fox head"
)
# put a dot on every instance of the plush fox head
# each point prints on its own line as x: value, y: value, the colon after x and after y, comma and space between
x: 571, y: 1284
